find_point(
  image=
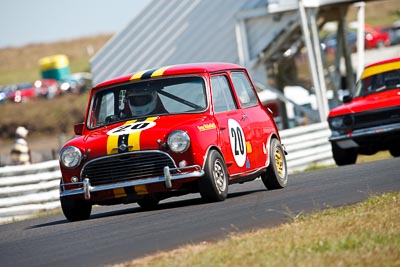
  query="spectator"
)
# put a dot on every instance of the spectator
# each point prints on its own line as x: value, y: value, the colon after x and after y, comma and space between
x: 20, y: 153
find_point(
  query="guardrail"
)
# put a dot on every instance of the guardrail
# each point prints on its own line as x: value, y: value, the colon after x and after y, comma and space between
x: 307, y: 146
x: 28, y: 190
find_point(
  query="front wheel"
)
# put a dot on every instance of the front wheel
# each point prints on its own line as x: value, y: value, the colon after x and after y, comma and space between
x: 150, y: 202
x: 343, y: 156
x: 276, y: 176
x: 214, y: 185
x: 75, y: 209
x: 395, y: 150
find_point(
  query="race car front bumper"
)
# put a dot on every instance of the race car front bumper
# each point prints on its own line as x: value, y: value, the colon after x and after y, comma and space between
x: 349, y: 140
x: 85, y: 187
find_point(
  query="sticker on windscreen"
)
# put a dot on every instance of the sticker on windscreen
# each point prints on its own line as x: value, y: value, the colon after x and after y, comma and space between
x: 132, y: 128
x: 238, y: 142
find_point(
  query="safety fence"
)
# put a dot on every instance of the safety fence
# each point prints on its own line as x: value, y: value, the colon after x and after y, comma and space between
x: 307, y: 146
x: 28, y: 190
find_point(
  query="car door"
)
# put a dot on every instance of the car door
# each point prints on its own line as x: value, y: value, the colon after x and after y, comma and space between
x: 232, y: 125
x: 258, y: 125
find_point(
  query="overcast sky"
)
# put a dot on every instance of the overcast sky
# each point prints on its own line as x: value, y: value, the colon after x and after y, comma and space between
x: 38, y: 21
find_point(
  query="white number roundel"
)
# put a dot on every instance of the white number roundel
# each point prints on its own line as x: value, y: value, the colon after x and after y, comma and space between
x: 131, y: 128
x: 238, y: 142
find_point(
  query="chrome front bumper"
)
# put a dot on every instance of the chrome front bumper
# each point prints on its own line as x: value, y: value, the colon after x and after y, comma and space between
x: 347, y: 140
x: 167, y: 179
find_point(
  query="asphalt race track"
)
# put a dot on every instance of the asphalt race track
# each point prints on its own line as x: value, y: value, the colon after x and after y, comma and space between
x: 120, y: 233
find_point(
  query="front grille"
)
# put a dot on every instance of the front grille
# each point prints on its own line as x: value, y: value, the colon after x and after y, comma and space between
x: 125, y: 167
x: 377, y: 117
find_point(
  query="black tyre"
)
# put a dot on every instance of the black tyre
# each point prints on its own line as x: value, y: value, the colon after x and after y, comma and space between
x: 343, y: 156
x: 150, y: 202
x: 214, y: 185
x: 395, y: 150
x: 75, y: 209
x: 276, y: 176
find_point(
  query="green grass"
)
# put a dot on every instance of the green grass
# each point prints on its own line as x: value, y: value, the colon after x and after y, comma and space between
x: 367, y: 234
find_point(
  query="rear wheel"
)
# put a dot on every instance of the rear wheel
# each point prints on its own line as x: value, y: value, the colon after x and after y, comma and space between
x: 343, y: 156
x: 75, y: 209
x: 276, y: 176
x: 214, y: 185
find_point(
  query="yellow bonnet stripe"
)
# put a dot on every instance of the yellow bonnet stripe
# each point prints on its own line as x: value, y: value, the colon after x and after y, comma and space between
x: 112, y: 141
x: 134, y: 138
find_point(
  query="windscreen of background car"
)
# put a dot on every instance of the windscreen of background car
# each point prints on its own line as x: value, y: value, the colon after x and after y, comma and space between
x: 377, y: 83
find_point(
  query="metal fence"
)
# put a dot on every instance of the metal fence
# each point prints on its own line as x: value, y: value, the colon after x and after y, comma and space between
x: 28, y: 190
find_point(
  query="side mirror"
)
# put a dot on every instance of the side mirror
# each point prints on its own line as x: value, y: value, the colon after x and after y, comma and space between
x: 78, y: 128
x: 347, y: 98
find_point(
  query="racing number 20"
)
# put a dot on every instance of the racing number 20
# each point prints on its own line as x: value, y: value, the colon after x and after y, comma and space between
x: 236, y: 134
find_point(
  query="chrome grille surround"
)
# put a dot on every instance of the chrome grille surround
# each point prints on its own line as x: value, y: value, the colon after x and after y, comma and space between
x: 127, y: 167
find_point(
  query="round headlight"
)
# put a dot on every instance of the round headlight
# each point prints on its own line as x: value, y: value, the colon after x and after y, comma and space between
x: 336, y: 122
x: 70, y: 156
x: 178, y: 141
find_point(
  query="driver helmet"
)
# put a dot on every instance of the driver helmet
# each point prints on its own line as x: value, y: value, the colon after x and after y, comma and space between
x: 142, y: 103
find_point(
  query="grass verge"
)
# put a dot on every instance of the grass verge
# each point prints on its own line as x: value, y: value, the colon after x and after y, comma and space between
x: 366, y: 234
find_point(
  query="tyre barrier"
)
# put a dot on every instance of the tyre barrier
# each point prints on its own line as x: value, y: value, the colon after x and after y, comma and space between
x: 30, y: 189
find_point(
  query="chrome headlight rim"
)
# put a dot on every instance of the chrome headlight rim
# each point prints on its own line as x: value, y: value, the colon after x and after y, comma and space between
x: 178, y: 141
x: 70, y: 157
x: 342, y: 122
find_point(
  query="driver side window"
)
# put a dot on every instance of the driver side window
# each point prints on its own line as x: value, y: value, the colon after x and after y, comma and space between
x: 106, y: 107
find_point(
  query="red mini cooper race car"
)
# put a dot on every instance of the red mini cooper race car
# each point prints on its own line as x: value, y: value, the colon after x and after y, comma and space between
x: 166, y: 132
x: 369, y: 121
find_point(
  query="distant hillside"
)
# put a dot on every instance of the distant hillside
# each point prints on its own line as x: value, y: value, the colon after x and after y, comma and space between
x: 20, y: 64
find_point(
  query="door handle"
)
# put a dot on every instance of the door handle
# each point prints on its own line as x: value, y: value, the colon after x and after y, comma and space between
x: 244, y: 117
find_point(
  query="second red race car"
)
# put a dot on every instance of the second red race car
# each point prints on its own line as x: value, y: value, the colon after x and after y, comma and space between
x: 369, y: 119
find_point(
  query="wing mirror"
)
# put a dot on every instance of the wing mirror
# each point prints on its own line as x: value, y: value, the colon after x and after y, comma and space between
x: 347, y: 98
x: 78, y: 128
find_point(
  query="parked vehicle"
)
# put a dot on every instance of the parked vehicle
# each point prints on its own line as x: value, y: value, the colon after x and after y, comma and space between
x: 369, y: 119
x: 394, y: 33
x: 375, y: 37
x: 47, y: 88
x: 170, y: 131
x: 22, y: 92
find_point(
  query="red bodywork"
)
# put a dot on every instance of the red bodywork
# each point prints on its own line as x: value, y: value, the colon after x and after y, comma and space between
x: 207, y: 130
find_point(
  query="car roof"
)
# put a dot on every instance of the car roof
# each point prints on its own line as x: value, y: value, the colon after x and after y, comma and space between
x: 381, y: 66
x: 190, y: 68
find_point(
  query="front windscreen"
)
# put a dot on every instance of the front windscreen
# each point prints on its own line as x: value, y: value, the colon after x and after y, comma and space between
x: 156, y: 97
x: 377, y: 83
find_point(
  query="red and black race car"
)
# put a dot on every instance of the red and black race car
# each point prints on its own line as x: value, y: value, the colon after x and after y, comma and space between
x: 166, y: 132
x: 369, y: 119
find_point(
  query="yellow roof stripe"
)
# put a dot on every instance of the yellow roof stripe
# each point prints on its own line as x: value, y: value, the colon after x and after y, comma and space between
x: 380, y: 68
x: 159, y: 72
x: 137, y: 75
